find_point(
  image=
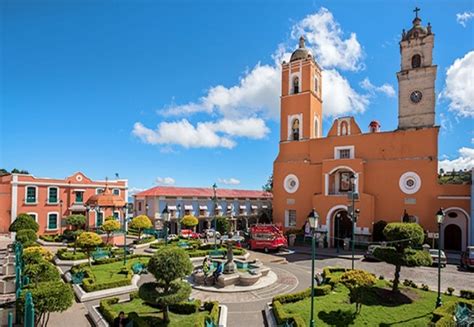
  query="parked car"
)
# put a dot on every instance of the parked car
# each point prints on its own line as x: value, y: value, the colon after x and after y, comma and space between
x: 188, y: 233
x: 369, y: 254
x: 434, y: 256
x: 210, y: 234
x: 467, y: 258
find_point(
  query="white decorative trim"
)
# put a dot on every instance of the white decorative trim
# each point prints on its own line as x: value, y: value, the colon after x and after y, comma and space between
x: 64, y: 184
x: 341, y: 167
x: 351, y: 149
x: 117, y: 211
x: 26, y: 194
x: 468, y: 226
x: 291, y: 77
x: 290, y: 120
x: 326, y: 184
x: 290, y: 179
x: 406, y: 178
x: 57, y: 221
x: 339, y: 122
x: 317, y: 127
x: 57, y: 195
x: 79, y: 178
x: 329, y: 218
x: 33, y: 214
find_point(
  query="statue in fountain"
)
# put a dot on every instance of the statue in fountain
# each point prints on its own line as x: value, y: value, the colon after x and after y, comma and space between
x: 229, y: 266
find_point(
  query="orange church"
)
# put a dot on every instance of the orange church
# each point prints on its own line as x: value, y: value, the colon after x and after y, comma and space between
x: 394, y: 174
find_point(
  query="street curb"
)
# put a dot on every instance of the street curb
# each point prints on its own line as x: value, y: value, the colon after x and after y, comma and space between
x: 271, y: 322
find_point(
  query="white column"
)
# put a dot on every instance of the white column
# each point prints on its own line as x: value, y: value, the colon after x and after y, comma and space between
x: 326, y: 184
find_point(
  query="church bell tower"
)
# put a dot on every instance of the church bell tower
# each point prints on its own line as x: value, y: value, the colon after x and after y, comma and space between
x: 301, y: 104
x: 416, y: 79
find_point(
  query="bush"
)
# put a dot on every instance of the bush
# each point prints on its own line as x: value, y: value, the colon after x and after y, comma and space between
x: 443, y: 316
x: 298, y: 296
x: 189, y: 221
x: 105, y: 308
x: 332, y: 275
x: 64, y: 254
x: 467, y: 294
x: 409, y: 283
x: 55, y: 238
x: 284, y: 318
x: 89, y: 285
x: 42, y: 272
x: 381, y: 277
x: 425, y: 287
x: 145, y: 240
x: 450, y: 291
x: 23, y: 221
x: 26, y: 236
x: 186, y: 308
x: 43, y: 252
x: 213, y: 308
x: 377, y: 231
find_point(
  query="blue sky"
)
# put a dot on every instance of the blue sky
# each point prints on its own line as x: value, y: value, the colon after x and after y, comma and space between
x: 186, y: 92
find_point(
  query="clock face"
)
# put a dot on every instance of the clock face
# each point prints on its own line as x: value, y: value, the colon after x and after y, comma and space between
x: 416, y: 96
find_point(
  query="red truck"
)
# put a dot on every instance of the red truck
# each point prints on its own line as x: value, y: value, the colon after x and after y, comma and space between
x: 267, y: 238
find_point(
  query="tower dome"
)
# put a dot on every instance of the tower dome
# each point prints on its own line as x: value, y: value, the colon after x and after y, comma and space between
x: 301, y: 53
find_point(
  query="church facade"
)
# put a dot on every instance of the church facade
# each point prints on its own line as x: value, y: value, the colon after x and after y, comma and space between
x: 392, y: 174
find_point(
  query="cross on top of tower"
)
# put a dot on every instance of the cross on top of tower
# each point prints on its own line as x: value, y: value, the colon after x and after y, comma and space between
x: 416, y: 10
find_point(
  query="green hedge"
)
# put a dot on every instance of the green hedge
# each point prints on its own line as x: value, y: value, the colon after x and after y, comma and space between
x: 295, y: 297
x: 145, y: 240
x: 332, y: 275
x: 52, y: 238
x: 105, y: 308
x: 64, y: 254
x: 89, y: 284
x: 284, y: 318
x: 186, y: 308
x: 466, y: 294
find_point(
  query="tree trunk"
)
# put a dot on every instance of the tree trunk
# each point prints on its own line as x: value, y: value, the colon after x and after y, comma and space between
x: 107, y: 239
x: 89, y: 258
x: 166, y: 317
x: 396, y: 280
x: 139, y: 234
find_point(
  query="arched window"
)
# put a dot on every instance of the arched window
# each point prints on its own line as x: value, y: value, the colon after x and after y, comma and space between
x: 344, y: 128
x: 295, y: 130
x: 316, y: 84
x: 296, y: 85
x: 316, y: 127
x: 416, y: 61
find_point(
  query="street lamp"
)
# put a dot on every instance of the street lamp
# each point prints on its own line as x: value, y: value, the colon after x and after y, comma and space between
x: 178, y: 220
x: 352, y: 179
x: 313, y: 218
x: 214, y: 189
x: 440, y: 215
x: 166, y: 217
x: 338, y: 224
x: 124, y: 209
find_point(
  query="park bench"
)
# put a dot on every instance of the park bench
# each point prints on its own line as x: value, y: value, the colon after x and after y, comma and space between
x: 209, y: 322
x: 183, y: 244
x: 138, y: 268
x: 77, y: 278
x: 463, y: 315
x: 100, y: 254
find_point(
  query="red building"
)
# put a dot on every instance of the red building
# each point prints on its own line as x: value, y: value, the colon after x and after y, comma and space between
x: 49, y: 201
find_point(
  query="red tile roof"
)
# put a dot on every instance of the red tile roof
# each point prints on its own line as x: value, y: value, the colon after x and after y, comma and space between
x: 202, y: 192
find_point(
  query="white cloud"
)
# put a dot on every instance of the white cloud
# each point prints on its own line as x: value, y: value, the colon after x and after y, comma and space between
x: 339, y: 97
x: 386, y: 88
x: 255, y: 93
x: 464, y: 161
x: 135, y: 190
x: 241, y: 110
x: 459, y: 89
x: 204, y: 134
x: 464, y: 17
x: 326, y: 39
x: 165, y: 180
x: 229, y: 181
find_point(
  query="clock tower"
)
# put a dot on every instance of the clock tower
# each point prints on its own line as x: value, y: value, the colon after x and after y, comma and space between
x: 416, y: 79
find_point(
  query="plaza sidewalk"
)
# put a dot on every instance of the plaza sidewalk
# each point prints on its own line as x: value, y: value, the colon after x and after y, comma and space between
x: 328, y: 252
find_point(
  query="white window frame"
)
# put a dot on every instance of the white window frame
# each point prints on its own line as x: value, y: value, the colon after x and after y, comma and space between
x: 57, y: 195
x: 57, y: 221
x: 317, y: 127
x: 292, y: 78
x: 36, y: 195
x: 118, y: 216
x: 287, y: 218
x: 33, y: 214
x: 351, y: 148
x: 339, y: 123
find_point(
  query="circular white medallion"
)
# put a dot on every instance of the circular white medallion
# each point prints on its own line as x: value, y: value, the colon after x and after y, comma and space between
x: 291, y: 183
x: 78, y: 178
x: 409, y: 182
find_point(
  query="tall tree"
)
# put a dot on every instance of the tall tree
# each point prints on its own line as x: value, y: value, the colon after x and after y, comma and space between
x: 403, y: 236
x: 88, y: 241
x: 268, y: 187
x: 24, y: 221
x: 169, y: 266
x: 110, y: 226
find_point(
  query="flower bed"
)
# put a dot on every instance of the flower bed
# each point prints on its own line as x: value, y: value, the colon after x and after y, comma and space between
x: 108, y: 273
x: 185, y: 314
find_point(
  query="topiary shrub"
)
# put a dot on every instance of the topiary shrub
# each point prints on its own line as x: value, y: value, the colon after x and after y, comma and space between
x: 42, y: 272
x: 26, y: 236
x: 189, y: 221
x: 24, y: 221
x: 358, y: 282
x: 43, y: 252
x: 467, y: 294
x: 450, y: 291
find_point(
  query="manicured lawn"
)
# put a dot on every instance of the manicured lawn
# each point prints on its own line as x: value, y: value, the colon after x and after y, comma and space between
x: 153, y: 315
x: 110, y: 272
x: 413, y: 307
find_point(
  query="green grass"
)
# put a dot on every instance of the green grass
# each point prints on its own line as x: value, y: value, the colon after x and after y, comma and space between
x: 153, y: 316
x: 413, y: 308
x: 109, y: 272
